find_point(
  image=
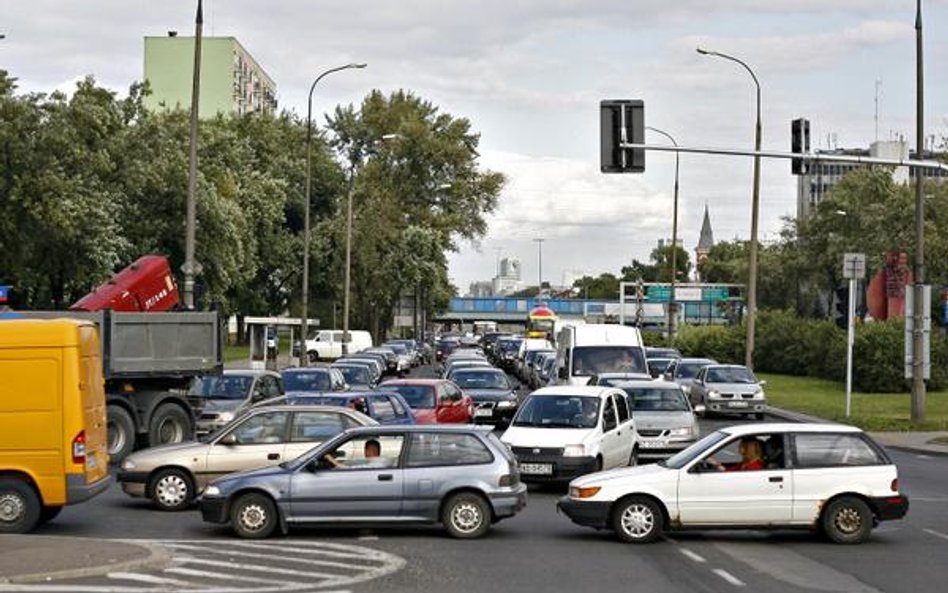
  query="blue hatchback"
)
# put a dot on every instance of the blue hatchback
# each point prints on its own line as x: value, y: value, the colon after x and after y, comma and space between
x: 385, y: 407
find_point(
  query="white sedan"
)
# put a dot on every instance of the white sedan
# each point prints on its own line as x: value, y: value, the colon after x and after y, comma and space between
x: 814, y: 476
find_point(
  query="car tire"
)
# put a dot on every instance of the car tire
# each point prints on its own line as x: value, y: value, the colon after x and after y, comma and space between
x: 466, y: 516
x: 313, y: 356
x: 253, y: 516
x: 121, y: 433
x: 169, y: 424
x: 48, y: 513
x: 637, y: 520
x: 171, y: 489
x: 759, y: 415
x: 634, y: 457
x: 847, y: 520
x: 20, y: 506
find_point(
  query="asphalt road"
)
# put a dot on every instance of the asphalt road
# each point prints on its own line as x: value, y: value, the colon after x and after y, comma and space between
x: 537, y: 550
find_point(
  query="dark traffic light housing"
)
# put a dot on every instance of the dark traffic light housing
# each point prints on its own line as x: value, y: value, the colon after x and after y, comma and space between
x: 621, y: 122
x: 799, y: 144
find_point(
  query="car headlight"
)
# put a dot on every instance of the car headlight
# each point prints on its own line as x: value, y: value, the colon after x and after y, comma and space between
x: 759, y: 392
x: 574, y: 451
x: 506, y: 403
x: 585, y: 492
x: 225, y: 416
x: 212, y: 491
x: 681, y: 432
x: 128, y: 464
x: 686, y: 389
x: 714, y: 393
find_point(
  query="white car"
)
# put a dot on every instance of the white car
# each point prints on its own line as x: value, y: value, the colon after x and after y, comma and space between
x: 829, y: 477
x: 565, y: 431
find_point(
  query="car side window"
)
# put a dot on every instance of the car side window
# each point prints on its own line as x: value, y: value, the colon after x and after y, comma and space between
x: 367, y: 452
x: 383, y: 408
x: 833, y: 450
x: 439, y: 449
x: 622, y: 408
x: 318, y: 426
x: 609, y: 416
x: 337, y: 336
x: 400, y: 411
x: 266, y: 428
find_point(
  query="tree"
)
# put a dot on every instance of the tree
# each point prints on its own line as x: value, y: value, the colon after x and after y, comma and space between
x: 606, y: 286
x: 661, y: 261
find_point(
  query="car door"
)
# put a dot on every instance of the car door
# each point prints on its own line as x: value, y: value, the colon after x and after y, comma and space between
x: 626, y: 428
x: 258, y: 441
x: 359, y: 489
x: 697, y: 389
x: 611, y: 446
x: 449, y: 405
x: 759, y: 497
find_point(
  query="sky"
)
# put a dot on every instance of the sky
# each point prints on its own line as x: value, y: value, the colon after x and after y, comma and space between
x: 529, y: 75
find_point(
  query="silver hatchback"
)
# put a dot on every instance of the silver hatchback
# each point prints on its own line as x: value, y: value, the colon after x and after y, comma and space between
x: 462, y: 477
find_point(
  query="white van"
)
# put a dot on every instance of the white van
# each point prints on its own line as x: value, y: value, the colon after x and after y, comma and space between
x: 587, y: 350
x: 563, y: 432
x: 327, y: 343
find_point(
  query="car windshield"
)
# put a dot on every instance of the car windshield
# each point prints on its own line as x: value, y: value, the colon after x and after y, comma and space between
x: 688, y: 370
x: 398, y: 348
x: 222, y: 387
x: 355, y: 375
x: 477, y: 379
x: 656, y: 399
x: 593, y: 360
x: 510, y: 345
x: 417, y: 396
x: 658, y: 366
x: 685, y: 457
x: 559, y: 411
x: 307, y: 381
x: 730, y: 375
x: 532, y: 355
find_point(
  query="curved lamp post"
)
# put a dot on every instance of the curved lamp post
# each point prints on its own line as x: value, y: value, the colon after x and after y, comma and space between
x: 755, y: 215
x: 672, y: 305
x: 304, y: 330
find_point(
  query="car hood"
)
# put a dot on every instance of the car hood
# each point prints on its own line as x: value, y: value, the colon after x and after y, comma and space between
x: 734, y: 387
x: 488, y: 395
x: 662, y: 420
x: 530, y: 436
x: 167, y: 453
x: 219, y: 405
x: 640, y: 473
x: 260, y: 473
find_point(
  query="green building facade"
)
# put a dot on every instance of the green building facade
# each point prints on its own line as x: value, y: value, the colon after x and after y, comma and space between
x: 231, y: 80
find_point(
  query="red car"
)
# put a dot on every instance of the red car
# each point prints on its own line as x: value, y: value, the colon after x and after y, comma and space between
x: 434, y: 401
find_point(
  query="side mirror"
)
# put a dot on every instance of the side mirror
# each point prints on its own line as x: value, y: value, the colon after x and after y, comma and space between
x: 762, y: 383
x: 700, y: 409
x: 229, y: 439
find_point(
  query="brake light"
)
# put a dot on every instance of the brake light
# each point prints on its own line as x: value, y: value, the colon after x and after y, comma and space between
x: 508, y: 480
x: 79, y: 448
x: 895, y: 485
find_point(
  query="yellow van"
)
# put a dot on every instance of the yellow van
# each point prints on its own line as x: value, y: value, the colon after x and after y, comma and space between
x: 53, y: 435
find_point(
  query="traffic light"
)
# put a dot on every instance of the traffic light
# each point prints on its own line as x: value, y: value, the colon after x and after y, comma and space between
x: 622, y: 121
x: 799, y: 144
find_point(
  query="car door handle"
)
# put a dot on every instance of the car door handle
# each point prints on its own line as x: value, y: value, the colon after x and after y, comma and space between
x: 273, y: 456
x: 775, y: 479
x: 385, y: 477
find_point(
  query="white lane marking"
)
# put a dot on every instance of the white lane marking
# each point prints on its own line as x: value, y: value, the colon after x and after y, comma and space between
x: 229, y: 576
x: 923, y: 456
x: 692, y: 555
x: 146, y: 578
x: 264, y: 569
x: 369, y: 538
x: 364, y: 554
x: 728, y: 577
x: 289, y: 559
x: 935, y: 533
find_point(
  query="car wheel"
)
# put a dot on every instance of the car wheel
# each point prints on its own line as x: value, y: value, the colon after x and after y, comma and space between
x: 634, y: 457
x: 598, y: 467
x: 121, y: 433
x: 466, y: 516
x: 171, y: 489
x: 169, y: 424
x: 759, y: 415
x: 313, y: 356
x: 253, y: 516
x: 637, y: 520
x: 20, y: 506
x: 847, y: 520
x: 48, y: 514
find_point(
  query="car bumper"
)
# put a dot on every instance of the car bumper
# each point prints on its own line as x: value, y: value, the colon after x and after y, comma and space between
x: 213, y: 509
x: 562, y: 469
x: 891, y: 507
x: 585, y: 513
x: 496, y: 414
x: 661, y: 448
x: 132, y: 483
x: 78, y: 490
x: 508, y: 504
x: 737, y: 406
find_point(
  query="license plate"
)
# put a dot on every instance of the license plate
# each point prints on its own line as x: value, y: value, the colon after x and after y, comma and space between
x: 654, y: 444
x: 91, y: 462
x: 483, y: 412
x: 737, y: 404
x: 536, y: 468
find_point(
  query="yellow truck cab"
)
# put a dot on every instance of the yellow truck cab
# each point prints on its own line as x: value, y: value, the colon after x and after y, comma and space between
x: 53, y: 436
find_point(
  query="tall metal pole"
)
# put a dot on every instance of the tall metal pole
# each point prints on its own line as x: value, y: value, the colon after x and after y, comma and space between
x: 304, y: 331
x: 539, y: 242
x: 672, y: 304
x: 191, y: 267
x: 345, y: 299
x: 918, y: 330
x: 755, y: 215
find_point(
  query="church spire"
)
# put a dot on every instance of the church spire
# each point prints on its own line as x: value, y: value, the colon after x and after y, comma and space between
x: 706, y: 240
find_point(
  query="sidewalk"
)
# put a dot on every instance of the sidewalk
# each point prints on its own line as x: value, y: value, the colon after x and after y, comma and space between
x: 916, y: 442
x: 39, y: 558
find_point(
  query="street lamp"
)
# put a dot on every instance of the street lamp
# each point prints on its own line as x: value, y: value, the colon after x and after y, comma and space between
x: 672, y: 305
x: 755, y: 215
x: 539, y: 242
x: 304, y: 330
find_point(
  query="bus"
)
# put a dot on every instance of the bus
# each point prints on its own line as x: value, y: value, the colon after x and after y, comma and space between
x: 541, y: 323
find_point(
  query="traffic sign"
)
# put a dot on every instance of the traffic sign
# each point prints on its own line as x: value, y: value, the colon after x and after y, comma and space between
x: 854, y: 265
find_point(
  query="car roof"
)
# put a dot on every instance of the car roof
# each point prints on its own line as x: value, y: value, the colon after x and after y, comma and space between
x: 419, y: 381
x: 386, y: 429
x: 582, y: 390
x: 651, y: 383
x: 727, y: 366
x: 315, y: 367
x: 686, y: 360
x: 757, y: 428
x: 247, y: 373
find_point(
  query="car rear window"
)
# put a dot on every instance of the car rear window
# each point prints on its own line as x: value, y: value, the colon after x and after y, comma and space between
x: 834, y: 450
x: 438, y: 449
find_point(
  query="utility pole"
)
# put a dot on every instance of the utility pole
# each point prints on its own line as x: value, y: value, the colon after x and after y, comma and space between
x: 539, y: 242
x: 191, y: 268
x: 918, y: 314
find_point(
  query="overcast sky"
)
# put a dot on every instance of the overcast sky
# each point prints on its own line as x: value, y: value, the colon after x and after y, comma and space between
x: 529, y: 74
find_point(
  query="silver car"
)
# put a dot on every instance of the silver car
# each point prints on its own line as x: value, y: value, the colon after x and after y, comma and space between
x: 664, y: 419
x: 729, y: 388
x: 462, y: 477
x: 172, y: 475
x: 218, y: 399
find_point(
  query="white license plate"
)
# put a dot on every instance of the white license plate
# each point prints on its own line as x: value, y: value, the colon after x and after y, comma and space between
x: 737, y: 404
x: 654, y: 444
x: 483, y: 412
x: 536, y: 468
x: 91, y: 462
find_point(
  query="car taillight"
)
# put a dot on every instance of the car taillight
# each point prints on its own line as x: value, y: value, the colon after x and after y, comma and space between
x: 79, y: 448
x: 895, y: 485
x: 508, y: 480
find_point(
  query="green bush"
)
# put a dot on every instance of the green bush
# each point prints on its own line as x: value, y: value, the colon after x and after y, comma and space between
x: 655, y: 339
x: 878, y: 355
x: 722, y: 343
